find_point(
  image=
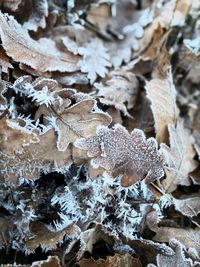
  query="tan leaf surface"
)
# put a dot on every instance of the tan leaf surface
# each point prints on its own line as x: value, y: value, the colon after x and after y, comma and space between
x: 45, y: 238
x: 24, y: 153
x: 120, y: 90
x: 4, y: 61
x: 41, y: 55
x: 118, y: 152
x: 189, y: 206
x: 178, y: 259
x: 162, y: 94
x: 187, y: 236
x: 79, y: 121
x: 178, y: 157
x: 100, y: 16
x: 112, y: 261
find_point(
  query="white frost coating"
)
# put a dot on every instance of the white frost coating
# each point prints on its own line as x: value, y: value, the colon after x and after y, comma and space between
x: 165, y: 201
x: 95, y: 59
x: 193, y: 45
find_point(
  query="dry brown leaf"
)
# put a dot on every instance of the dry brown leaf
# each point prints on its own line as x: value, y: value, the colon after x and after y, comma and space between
x: 100, y: 16
x: 27, y: 154
x: 176, y: 260
x: 4, y: 61
x: 152, y: 49
x: 89, y: 237
x: 148, y: 249
x: 162, y: 94
x: 187, y: 236
x: 189, y: 206
x: 112, y: 261
x: 79, y: 120
x: 45, y: 238
x: 178, y: 157
x: 118, y: 152
x: 120, y: 90
x: 41, y: 55
x: 173, y: 13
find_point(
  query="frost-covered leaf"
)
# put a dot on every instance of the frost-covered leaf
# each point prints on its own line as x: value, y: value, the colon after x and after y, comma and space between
x: 95, y: 59
x: 45, y: 238
x: 178, y: 259
x: 39, y: 11
x: 179, y: 157
x: 162, y: 94
x: 187, y: 236
x: 41, y: 55
x: 26, y: 153
x: 148, y: 249
x: 189, y: 206
x: 128, y: 24
x: 112, y: 261
x: 119, y: 152
x: 120, y: 89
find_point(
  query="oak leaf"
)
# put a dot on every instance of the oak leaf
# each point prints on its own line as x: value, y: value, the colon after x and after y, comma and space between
x: 41, y: 55
x: 95, y: 59
x: 119, y: 152
x: 79, y: 120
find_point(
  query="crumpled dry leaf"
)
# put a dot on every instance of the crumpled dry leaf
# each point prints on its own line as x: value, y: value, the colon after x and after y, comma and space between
x: 41, y: 55
x: 120, y: 90
x: 119, y: 152
x: 187, y: 236
x: 48, y: 240
x: 148, y: 249
x: 179, y: 157
x: 89, y: 237
x: 162, y: 94
x: 112, y: 261
x: 178, y: 259
x: 189, y: 206
x: 26, y: 154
